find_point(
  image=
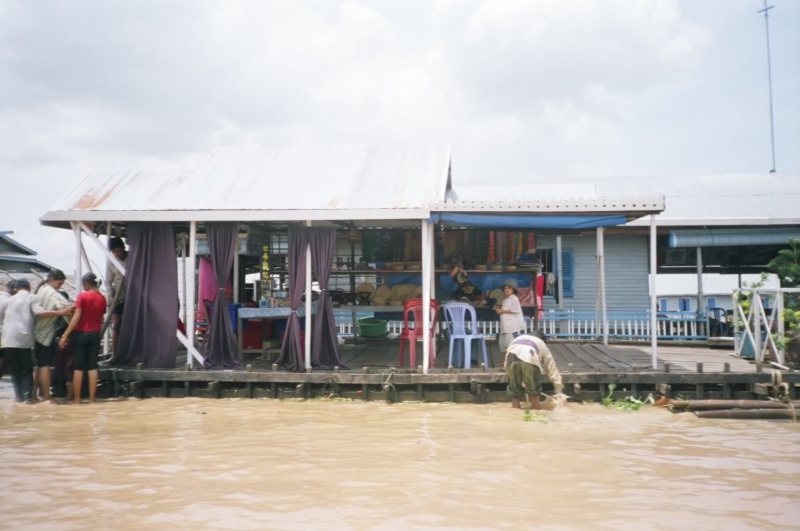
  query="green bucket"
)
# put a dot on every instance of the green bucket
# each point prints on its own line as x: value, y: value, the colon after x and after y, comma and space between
x: 371, y: 327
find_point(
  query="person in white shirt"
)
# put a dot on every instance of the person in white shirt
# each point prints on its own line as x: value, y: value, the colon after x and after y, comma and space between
x: 5, y: 298
x: 16, y: 338
x: 512, y: 322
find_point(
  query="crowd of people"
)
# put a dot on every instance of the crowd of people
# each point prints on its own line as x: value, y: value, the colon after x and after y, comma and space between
x: 45, y: 329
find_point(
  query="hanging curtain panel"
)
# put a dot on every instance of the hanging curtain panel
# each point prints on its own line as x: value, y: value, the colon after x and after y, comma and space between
x: 221, y: 351
x: 148, y: 332
x: 292, y: 349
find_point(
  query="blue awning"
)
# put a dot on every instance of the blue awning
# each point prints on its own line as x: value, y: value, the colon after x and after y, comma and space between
x: 528, y: 222
x: 731, y: 237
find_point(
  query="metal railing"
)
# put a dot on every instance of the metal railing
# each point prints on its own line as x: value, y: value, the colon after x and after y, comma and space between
x: 758, y: 327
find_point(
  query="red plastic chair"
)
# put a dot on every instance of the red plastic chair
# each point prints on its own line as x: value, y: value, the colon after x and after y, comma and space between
x: 412, y: 334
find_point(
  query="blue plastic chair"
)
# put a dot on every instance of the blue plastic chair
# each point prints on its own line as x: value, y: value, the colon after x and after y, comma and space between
x: 719, y: 327
x: 456, y: 315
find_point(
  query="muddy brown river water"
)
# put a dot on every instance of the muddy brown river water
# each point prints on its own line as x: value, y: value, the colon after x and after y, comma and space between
x: 252, y: 464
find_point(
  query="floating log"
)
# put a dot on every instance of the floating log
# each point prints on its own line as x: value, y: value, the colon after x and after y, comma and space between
x: 747, y: 414
x: 704, y: 405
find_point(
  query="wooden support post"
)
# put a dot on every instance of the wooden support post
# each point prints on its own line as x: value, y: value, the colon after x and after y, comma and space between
x: 698, y: 391
x: 666, y: 367
x: 299, y: 391
x: 249, y: 368
x: 274, y: 367
x: 634, y: 390
x: 165, y: 388
x: 726, y: 387
x: 426, y: 296
x: 699, y: 367
x: 213, y: 388
x: 192, y: 287
x: 387, y: 393
x: 364, y: 391
x: 248, y: 389
x: 419, y: 393
x: 309, y: 311
x: 653, y: 295
x: 451, y: 393
x: 601, y: 261
x: 479, y: 395
x: 273, y: 390
x: 187, y: 388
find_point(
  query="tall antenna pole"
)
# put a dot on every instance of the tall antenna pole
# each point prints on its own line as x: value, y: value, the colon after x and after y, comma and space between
x: 769, y: 77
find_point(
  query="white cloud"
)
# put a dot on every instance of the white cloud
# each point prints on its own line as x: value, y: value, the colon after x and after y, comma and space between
x: 569, y: 87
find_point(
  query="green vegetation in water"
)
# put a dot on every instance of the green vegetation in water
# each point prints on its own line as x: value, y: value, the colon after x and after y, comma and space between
x: 535, y: 416
x: 625, y: 404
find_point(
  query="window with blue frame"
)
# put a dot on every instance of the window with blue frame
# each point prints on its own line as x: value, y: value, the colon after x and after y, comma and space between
x: 663, y: 305
x: 685, y: 304
x: 711, y: 302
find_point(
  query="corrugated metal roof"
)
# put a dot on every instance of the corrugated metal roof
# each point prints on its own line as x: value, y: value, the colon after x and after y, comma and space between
x: 4, y: 235
x: 342, y: 177
x: 689, y: 200
x: 23, y: 259
x: 546, y: 197
x: 738, y: 199
x: 714, y: 284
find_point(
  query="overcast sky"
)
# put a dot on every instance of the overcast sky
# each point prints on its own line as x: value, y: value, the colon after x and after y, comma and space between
x: 519, y: 87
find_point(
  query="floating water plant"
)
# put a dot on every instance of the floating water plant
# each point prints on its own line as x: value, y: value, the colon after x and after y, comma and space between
x: 625, y: 404
x: 535, y: 416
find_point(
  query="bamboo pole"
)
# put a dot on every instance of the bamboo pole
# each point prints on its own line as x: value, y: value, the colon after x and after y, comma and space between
x: 747, y: 414
x: 697, y: 405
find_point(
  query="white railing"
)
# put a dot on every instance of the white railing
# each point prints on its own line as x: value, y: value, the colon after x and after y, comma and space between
x: 759, y: 327
x: 586, y: 325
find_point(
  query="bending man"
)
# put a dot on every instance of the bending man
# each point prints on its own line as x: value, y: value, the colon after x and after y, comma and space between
x: 526, y: 358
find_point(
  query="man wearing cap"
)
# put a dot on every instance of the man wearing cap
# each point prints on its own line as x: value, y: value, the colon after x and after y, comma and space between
x: 527, y: 357
x: 512, y: 323
x: 44, y: 332
x: 87, y: 323
x: 17, y: 338
x: 5, y: 296
x: 116, y: 287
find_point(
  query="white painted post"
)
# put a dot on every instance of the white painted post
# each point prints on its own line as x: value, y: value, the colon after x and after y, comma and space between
x: 653, y: 294
x: 756, y: 302
x: 736, y: 310
x: 236, y: 270
x: 308, y: 304
x: 432, y: 245
x: 601, y: 258
x: 190, y: 319
x: 701, y: 302
x: 185, y: 282
x: 781, y: 328
x: 78, y: 257
x: 426, y: 297
x: 107, y: 334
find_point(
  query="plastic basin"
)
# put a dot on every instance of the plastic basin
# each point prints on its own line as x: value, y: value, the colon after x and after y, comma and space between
x: 371, y: 327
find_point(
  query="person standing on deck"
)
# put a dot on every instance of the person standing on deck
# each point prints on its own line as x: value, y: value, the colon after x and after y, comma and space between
x: 5, y: 298
x: 87, y: 323
x: 526, y: 358
x: 512, y: 322
x: 116, y: 288
x: 17, y: 337
x: 45, y: 330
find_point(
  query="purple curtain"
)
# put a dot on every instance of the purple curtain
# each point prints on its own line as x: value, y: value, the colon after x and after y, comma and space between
x: 221, y: 352
x: 292, y: 350
x: 148, y: 332
x: 325, y: 346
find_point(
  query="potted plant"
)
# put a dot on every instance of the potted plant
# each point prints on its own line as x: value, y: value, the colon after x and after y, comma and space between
x: 787, y: 267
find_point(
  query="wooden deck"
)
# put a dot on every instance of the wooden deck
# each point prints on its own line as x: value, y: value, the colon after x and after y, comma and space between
x: 370, y: 372
x: 569, y: 356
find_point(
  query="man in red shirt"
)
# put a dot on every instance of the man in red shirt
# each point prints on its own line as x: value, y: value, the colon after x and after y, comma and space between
x: 87, y: 322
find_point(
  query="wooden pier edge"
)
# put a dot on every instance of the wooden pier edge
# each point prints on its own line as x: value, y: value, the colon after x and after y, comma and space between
x: 473, y: 386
